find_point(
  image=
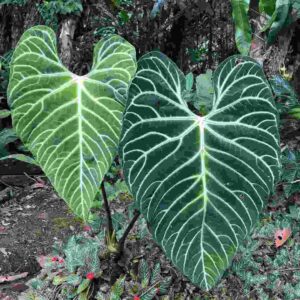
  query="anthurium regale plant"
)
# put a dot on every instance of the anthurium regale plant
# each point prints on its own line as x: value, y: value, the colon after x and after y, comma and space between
x: 70, y: 123
x: 200, y: 181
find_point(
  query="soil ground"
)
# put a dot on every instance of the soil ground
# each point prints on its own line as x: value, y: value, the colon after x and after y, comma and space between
x: 32, y: 219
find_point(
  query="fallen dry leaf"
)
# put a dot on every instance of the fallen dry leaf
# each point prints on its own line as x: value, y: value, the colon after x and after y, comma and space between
x: 9, y: 278
x: 38, y: 185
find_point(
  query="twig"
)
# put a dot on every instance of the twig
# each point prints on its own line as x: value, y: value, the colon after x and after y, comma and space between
x: 167, y: 23
x: 284, y: 270
x: 30, y: 177
x: 7, y: 185
x: 107, y: 209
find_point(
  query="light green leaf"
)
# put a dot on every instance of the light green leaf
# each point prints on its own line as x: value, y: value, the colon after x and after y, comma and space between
x: 281, y: 19
x: 204, y: 91
x: 21, y: 157
x: 144, y: 273
x: 70, y: 123
x: 58, y: 280
x: 267, y: 6
x: 4, y: 113
x: 243, y: 31
x: 189, y: 82
x: 83, y: 286
x: 118, y: 288
x: 295, y: 112
x: 200, y: 182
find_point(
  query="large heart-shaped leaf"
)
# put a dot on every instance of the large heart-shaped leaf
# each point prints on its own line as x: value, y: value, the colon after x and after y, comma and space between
x: 70, y: 123
x: 200, y: 181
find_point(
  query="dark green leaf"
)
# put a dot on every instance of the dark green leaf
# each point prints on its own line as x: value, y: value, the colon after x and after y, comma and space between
x: 7, y: 135
x: 144, y: 273
x: 267, y: 6
x: 164, y: 285
x: 155, y: 273
x: 149, y: 294
x: 282, y: 19
x: 186, y: 171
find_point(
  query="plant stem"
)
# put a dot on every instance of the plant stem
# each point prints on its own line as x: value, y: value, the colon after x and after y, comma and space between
x: 126, y: 232
x: 107, y: 209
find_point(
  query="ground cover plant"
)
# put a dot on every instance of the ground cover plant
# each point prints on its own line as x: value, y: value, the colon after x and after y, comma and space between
x: 185, y: 171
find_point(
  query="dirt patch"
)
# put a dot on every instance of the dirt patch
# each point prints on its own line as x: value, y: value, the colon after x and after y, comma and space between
x: 31, y: 220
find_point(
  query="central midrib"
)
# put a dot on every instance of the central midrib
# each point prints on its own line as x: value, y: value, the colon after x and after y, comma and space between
x: 201, y: 122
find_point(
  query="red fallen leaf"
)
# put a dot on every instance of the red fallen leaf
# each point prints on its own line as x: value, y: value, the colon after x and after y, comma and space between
x: 12, y: 277
x: 61, y: 261
x: 38, y: 185
x: 281, y: 236
x: 2, y: 229
x: 135, y: 297
x: 38, y: 179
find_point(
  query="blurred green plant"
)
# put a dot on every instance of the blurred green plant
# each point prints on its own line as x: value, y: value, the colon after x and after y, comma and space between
x: 295, y: 112
x: 199, y: 54
x: 7, y: 135
x: 104, y: 31
x: 4, y: 72
x: 278, y: 13
x: 51, y: 9
x: 290, y: 175
x: 285, y: 95
x: 14, y: 2
x: 147, y: 284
